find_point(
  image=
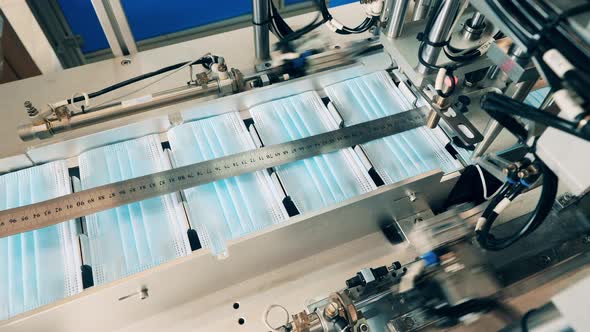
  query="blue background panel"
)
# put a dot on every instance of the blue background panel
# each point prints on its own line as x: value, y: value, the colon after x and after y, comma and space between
x: 152, y: 18
x: 336, y: 3
x: 332, y: 3
x: 83, y: 21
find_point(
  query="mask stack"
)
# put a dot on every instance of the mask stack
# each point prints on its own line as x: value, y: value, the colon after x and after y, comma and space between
x: 40, y: 266
x: 134, y: 237
x: 396, y: 157
x: 229, y: 208
x: 319, y: 181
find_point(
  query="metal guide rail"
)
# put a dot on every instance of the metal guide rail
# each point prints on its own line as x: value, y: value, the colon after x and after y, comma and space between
x: 86, y: 202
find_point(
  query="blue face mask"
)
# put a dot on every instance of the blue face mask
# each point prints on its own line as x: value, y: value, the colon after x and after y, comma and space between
x: 319, y: 181
x: 40, y: 266
x: 229, y: 208
x: 396, y: 157
x: 137, y: 236
x: 535, y: 98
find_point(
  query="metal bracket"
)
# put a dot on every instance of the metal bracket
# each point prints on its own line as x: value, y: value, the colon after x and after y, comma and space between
x: 460, y: 125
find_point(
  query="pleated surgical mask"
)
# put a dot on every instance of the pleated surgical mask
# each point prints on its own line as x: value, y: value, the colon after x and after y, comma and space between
x: 319, y: 181
x: 228, y: 208
x: 399, y: 156
x: 134, y: 237
x: 536, y: 98
x: 40, y: 266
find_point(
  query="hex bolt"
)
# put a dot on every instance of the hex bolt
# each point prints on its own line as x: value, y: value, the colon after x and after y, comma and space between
x: 412, y: 197
x: 586, y: 239
x: 545, y: 260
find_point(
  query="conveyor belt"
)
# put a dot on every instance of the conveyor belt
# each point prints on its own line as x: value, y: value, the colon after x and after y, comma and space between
x: 133, y: 237
x: 396, y: 157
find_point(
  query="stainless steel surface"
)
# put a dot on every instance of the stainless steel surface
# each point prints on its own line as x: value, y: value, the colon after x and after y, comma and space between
x: 102, y: 198
x: 397, y: 18
x: 404, y: 51
x: 387, y: 6
x: 493, y: 128
x: 457, y: 122
x: 310, y: 253
x: 421, y: 8
x: 544, y: 319
x: 439, y: 32
x: 477, y: 19
x: 474, y: 27
x: 260, y: 20
x: 120, y: 109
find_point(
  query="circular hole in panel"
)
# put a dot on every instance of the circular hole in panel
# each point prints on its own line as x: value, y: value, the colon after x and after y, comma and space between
x: 241, y: 321
x: 236, y: 305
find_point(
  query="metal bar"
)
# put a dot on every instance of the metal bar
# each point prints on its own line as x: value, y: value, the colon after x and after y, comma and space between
x: 421, y: 8
x: 395, y: 24
x: 260, y: 17
x: 86, y: 202
x: 107, y: 27
x: 123, y: 26
x: 54, y: 126
x: 439, y: 32
x: 493, y: 128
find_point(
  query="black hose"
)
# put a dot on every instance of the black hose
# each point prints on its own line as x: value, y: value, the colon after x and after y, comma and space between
x: 364, y: 26
x: 495, y: 104
x: 544, y: 206
x: 137, y: 79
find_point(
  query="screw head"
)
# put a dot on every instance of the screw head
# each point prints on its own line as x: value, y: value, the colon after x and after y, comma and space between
x: 417, y: 220
x: 125, y: 62
x: 545, y: 260
x: 331, y: 310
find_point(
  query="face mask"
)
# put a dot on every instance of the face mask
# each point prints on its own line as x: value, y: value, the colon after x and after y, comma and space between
x: 535, y: 98
x: 396, y: 157
x: 40, y: 266
x: 319, y: 181
x: 134, y: 237
x: 230, y: 208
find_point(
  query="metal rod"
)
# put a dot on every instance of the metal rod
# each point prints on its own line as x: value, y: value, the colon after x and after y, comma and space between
x: 493, y: 128
x: 439, y: 32
x: 90, y: 117
x: 107, y: 27
x: 395, y: 24
x: 123, y: 26
x: 421, y: 8
x: 260, y: 20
